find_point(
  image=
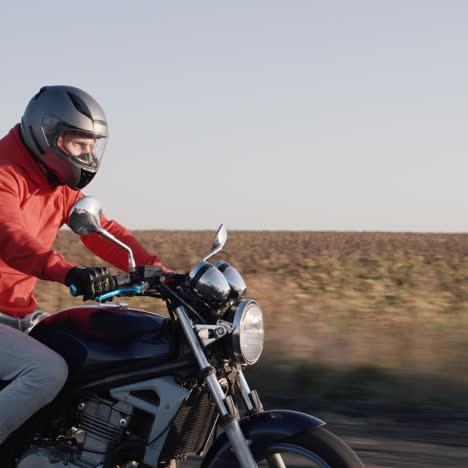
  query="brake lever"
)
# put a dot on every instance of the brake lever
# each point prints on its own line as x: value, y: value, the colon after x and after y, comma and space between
x: 124, y: 291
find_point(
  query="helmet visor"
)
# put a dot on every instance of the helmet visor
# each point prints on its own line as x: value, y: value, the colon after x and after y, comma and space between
x: 83, y: 148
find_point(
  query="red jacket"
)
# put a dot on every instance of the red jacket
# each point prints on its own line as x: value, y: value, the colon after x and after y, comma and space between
x: 31, y: 213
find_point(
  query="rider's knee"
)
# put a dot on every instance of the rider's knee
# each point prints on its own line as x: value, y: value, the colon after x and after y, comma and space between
x: 49, y: 377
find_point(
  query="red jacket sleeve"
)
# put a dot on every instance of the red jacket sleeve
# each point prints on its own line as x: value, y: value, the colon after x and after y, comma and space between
x: 19, y: 248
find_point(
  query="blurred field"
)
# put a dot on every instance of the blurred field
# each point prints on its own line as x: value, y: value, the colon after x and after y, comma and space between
x: 389, y: 307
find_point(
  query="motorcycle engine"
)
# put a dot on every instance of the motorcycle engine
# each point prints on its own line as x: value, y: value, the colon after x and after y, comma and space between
x: 101, y: 425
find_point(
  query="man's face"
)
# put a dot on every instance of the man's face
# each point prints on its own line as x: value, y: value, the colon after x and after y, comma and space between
x: 76, y: 144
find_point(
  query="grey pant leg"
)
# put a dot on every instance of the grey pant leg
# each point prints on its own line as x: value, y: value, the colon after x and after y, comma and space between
x: 37, y: 374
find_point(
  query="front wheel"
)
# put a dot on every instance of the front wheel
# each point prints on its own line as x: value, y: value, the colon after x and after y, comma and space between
x: 315, y: 448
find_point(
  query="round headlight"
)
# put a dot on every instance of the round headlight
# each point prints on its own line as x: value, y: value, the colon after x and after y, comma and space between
x: 248, y: 335
x: 233, y: 277
x: 209, y: 283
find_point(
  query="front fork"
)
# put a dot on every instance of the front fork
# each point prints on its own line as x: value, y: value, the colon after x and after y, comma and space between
x: 253, y: 405
x: 229, y: 416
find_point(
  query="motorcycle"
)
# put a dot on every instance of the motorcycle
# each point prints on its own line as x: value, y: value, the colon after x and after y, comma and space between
x: 145, y: 390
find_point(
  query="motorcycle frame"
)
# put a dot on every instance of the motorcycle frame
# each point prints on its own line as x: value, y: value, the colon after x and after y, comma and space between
x: 157, y: 378
x: 245, y: 437
x: 172, y: 396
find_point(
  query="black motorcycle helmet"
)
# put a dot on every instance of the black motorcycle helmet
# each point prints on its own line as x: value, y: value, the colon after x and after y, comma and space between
x: 56, y: 112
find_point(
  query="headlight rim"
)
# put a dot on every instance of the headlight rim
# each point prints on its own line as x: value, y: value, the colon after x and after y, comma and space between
x: 239, y: 314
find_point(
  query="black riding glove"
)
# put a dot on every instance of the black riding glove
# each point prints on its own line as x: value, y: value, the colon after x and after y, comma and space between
x: 90, y: 282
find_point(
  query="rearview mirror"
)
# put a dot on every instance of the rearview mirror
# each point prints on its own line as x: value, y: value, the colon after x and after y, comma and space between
x: 85, y: 218
x: 219, y: 242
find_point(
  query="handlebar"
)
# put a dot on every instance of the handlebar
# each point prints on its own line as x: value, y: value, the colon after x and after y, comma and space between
x: 123, y: 285
x: 146, y: 276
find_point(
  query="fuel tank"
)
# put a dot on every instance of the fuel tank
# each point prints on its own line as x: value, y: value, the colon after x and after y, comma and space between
x: 101, y: 340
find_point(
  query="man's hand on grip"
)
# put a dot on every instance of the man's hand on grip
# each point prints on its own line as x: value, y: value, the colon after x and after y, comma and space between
x: 90, y: 282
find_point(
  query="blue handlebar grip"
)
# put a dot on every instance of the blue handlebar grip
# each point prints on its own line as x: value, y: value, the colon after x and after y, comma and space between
x: 73, y: 290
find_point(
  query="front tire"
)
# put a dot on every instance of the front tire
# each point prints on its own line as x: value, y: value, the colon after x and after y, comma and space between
x: 318, y: 446
x: 314, y: 448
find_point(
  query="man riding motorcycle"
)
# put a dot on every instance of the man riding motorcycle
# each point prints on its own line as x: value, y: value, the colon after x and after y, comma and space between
x: 45, y: 161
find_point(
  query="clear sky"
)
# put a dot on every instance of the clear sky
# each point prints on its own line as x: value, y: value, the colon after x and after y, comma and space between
x: 262, y: 114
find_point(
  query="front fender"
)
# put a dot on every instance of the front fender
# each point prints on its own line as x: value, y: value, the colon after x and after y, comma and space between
x: 261, y: 430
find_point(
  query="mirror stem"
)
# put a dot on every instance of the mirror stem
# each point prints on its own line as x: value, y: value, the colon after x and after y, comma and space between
x: 131, y: 260
x: 213, y: 252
